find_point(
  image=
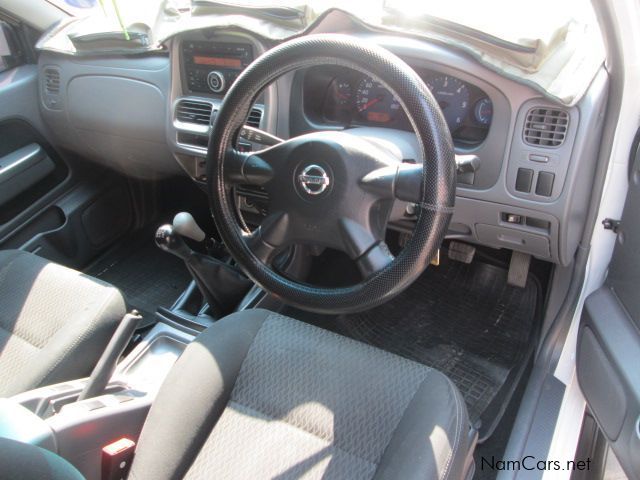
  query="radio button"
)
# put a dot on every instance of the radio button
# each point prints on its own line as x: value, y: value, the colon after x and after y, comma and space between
x: 215, y: 81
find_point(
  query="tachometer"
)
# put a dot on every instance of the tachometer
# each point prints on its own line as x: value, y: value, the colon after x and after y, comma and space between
x: 374, y: 102
x: 453, y: 97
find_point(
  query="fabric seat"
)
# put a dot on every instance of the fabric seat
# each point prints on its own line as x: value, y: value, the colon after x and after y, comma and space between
x: 262, y: 396
x: 259, y: 395
x: 54, y: 322
x: 20, y: 461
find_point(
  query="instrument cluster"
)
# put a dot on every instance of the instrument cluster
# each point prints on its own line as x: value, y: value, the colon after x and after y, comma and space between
x: 336, y: 96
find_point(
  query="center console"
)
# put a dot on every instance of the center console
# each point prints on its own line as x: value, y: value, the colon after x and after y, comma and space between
x: 52, y: 417
x: 204, y: 65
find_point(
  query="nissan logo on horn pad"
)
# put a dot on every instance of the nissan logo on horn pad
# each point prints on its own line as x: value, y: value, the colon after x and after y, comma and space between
x: 314, y: 179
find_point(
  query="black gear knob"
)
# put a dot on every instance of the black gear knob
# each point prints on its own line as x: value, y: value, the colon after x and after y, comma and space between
x: 170, y: 241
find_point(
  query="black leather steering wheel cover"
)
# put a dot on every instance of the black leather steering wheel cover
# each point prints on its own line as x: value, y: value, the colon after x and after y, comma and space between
x: 438, y: 182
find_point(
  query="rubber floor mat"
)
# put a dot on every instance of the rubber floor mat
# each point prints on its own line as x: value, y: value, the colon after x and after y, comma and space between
x: 147, y: 276
x: 461, y: 319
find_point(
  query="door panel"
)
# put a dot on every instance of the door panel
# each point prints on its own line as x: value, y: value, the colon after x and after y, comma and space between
x: 608, y: 354
x: 62, y: 209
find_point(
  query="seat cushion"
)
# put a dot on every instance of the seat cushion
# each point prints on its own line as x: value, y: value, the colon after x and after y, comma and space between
x: 54, y: 322
x: 22, y: 461
x: 260, y: 395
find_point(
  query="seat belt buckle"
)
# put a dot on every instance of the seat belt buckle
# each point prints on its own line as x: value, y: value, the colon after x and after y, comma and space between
x: 117, y: 458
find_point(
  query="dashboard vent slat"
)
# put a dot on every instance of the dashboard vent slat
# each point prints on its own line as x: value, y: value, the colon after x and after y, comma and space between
x: 546, y: 127
x: 52, y: 81
x: 190, y: 111
x: 254, y: 118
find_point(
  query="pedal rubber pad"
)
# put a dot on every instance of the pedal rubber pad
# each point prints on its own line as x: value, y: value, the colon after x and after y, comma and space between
x: 519, y: 269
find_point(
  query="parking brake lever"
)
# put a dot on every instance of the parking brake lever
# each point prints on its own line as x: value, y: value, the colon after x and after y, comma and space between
x: 108, y: 361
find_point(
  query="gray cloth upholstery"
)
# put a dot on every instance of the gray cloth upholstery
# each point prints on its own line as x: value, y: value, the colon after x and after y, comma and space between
x: 259, y: 395
x: 54, y: 322
x: 20, y: 461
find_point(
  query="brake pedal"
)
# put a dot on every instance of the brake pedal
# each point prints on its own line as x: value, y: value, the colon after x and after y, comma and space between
x: 519, y: 269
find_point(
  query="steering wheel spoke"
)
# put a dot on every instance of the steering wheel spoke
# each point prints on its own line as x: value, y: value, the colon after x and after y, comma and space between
x: 270, y: 237
x: 403, y: 182
x: 370, y: 253
x: 247, y: 168
x: 375, y: 259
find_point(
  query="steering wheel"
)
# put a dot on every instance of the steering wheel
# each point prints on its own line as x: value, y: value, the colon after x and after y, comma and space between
x: 330, y: 188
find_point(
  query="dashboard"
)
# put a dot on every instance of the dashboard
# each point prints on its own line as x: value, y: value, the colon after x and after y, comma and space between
x: 526, y: 191
x: 338, y: 96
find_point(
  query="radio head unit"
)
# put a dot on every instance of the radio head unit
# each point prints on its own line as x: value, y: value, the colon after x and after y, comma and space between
x: 211, y: 67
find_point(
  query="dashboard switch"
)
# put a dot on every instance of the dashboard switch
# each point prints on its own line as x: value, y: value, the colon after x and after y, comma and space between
x: 544, y: 185
x: 524, y: 180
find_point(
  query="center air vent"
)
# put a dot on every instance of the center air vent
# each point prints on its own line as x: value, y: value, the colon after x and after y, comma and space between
x: 254, y: 118
x: 190, y: 111
x: 546, y: 127
x: 52, y: 81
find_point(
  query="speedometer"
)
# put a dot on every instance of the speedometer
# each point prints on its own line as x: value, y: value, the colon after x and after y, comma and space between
x: 453, y: 97
x: 374, y: 102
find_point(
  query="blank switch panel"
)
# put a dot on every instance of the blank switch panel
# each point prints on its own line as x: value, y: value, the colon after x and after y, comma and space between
x: 544, y: 185
x: 524, y: 180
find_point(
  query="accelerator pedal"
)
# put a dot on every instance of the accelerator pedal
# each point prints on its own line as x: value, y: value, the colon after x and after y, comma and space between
x: 519, y: 269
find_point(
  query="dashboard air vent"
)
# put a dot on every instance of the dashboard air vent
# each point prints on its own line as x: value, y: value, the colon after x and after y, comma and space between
x: 190, y: 111
x: 254, y: 118
x: 52, y: 81
x: 546, y: 127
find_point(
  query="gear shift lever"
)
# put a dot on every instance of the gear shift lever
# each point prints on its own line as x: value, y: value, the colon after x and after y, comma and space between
x: 185, y: 225
x: 168, y: 240
x: 222, y: 285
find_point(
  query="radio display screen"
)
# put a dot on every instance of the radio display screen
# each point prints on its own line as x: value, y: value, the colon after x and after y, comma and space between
x: 228, y: 62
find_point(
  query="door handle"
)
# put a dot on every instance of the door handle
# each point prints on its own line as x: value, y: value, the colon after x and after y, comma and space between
x: 21, y: 169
